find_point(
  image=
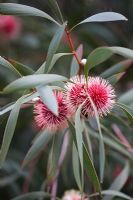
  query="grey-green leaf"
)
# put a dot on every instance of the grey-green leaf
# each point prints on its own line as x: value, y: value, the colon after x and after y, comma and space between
x: 54, y: 46
x: 23, y: 10
x: 101, y: 54
x: 9, y: 130
x: 32, y: 196
x: 103, y: 17
x: 48, y: 98
x: 32, y: 81
x: 38, y: 145
x: 119, y: 181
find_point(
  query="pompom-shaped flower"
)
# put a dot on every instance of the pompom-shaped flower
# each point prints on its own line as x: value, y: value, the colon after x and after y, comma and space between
x: 99, y: 90
x: 10, y: 26
x: 74, y: 195
x: 45, y: 119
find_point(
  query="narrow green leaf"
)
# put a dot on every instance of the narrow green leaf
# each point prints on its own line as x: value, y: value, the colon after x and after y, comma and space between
x: 23, y: 69
x: 112, y: 143
x: 5, y: 63
x: 9, y: 130
x: 96, y: 57
x: 116, y: 193
x: 9, y: 107
x: 23, y: 10
x: 126, y: 98
x: 113, y: 193
x: 48, y: 97
x: 76, y: 167
x: 119, y: 181
x: 32, y: 81
x: 54, y: 45
x: 32, y: 196
x: 74, y: 64
x: 126, y: 111
x: 88, y: 164
x: 56, y: 9
x: 117, y: 68
x: 38, y: 145
x: 55, y: 58
x: 101, y: 54
x: 115, y: 78
x: 103, y: 17
x: 101, y: 144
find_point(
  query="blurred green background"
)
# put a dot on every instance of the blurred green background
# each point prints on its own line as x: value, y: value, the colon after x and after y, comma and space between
x: 30, y: 48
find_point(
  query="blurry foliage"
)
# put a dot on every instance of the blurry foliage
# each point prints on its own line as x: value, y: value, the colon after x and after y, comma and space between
x: 30, y: 49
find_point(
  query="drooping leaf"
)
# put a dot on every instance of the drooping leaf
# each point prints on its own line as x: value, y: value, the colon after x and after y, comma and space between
x: 119, y: 181
x: 23, y: 10
x: 32, y: 196
x: 112, y: 143
x: 32, y: 81
x: 49, y: 98
x: 76, y: 167
x: 9, y: 130
x: 101, y: 141
x: 74, y: 64
x: 116, y: 193
x: 117, y: 68
x: 88, y: 164
x: 103, y: 17
x: 54, y: 46
x: 38, y: 145
x: 79, y: 140
x: 101, y: 54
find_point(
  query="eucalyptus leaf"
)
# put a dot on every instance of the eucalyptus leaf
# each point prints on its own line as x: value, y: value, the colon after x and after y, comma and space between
x: 126, y: 98
x: 101, y: 54
x: 22, y: 69
x: 54, y: 46
x: 32, y: 196
x: 55, y: 58
x: 119, y: 181
x: 23, y: 10
x: 38, y: 145
x: 9, y: 130
x: 117, y: 68
x: 49, y: 98
x: 79, y: 139
x: 88, y: 164
x: 8, y: 65
x: 101, y: 141
x: 31, y: 81
x: 56, y: 9
x: 76, y: 167
x: 103, y: 17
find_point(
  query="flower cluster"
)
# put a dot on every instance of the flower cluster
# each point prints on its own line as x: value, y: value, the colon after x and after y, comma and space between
x: 78, y: 91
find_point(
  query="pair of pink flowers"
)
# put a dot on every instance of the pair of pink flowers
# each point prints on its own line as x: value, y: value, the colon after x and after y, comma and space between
x: 77, y: 92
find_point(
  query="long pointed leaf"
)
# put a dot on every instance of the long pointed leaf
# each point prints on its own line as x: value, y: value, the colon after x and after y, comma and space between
x: 23, y: 10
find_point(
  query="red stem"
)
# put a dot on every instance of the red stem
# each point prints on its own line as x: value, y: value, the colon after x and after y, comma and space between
x: 73, y: 49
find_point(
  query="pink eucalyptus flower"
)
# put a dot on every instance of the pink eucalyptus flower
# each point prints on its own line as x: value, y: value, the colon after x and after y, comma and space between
x: 45, y: 119
x: 99, y: 90
x: 74, y: 195
x: 10, y: 26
